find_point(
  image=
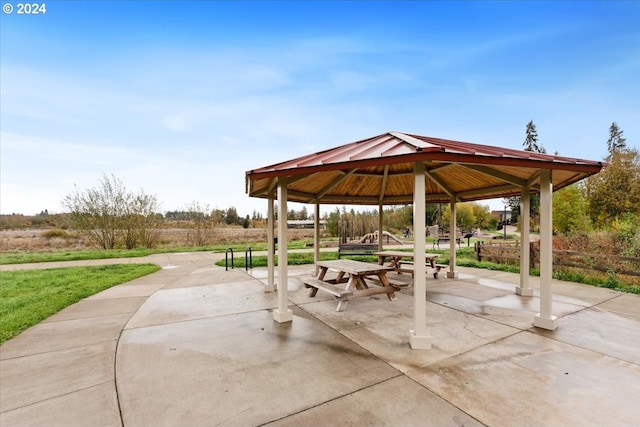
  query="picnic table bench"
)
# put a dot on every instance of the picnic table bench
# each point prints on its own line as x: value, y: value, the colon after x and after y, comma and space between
x: 400, y: 258
x: 446, y: 239
x: 356, y: 249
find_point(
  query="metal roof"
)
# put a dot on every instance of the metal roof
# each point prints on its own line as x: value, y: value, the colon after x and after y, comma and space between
x: 379, y: 170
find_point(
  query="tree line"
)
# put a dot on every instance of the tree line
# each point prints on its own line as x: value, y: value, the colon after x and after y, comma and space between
x: 605, y: 201
x: 112, y: 216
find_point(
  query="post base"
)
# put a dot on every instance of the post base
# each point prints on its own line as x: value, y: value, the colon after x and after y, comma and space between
x: 525, y: 292
x: 422, y: 342
x: 549, y: 324
x: 452, y: 274
x: 282, y: 317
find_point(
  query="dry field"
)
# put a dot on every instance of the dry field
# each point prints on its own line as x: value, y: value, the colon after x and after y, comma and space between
x: 36, y: 239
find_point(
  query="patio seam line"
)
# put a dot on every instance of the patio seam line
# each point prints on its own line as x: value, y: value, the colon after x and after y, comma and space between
x: 200, y: 318
x: 474, y: 349
x: 443, y: 399
x: 115, y: 363
x: 100, y: 316
x: 57, y: 396
x: 400, y: 374
x: 60, y: 349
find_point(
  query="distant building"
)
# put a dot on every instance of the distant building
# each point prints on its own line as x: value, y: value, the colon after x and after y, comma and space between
x: 305, y: 223
x: 503, y: 215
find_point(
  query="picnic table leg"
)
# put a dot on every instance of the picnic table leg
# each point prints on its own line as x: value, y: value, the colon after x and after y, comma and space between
x: 342, y: 304
x: 385, y: 282
x: 356, y: 282
x: 313, y: 291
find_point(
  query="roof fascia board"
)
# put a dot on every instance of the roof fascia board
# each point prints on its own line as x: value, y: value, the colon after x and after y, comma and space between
x: 426, y: 156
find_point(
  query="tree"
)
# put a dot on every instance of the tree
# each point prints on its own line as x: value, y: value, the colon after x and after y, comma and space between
x: 570, y: 210
x: 231, y: 217
x: 111, y: 216
x: 615, y: 191
x: 615, y: 142
x: 530, y: 144
x: 469, y: 216
x: 531, y: 140
x: 202, y: 223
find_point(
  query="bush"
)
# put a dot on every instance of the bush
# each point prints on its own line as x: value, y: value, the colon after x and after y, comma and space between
x: 56, y: 232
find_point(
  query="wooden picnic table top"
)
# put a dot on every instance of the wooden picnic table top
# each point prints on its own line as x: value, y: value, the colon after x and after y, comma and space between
x: 354, y: 267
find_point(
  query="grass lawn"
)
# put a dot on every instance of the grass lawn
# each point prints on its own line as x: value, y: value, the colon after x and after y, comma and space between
x: 30, y: 296
x: 465, y: 257
x: 68, y: 255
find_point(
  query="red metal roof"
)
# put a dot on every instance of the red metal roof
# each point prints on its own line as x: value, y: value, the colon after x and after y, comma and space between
x: 380, y: 170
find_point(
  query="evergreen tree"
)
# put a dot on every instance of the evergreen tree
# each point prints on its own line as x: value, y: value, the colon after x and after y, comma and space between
x: 615, y: 142
x: 531, y: 140
x: 530, y: 144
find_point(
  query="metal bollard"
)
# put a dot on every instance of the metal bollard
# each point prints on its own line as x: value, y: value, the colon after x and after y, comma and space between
x: 248, y: 262
x: 226, y: 259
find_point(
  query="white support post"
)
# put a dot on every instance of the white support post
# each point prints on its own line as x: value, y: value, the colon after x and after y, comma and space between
x: 525, y: 224
x: 271, y: 287
x: 544, y: 319
x: 316, y: 236
x: 282, y: 313
x: 380, y: 226
x: 419, y: 337
x: 452, y: 273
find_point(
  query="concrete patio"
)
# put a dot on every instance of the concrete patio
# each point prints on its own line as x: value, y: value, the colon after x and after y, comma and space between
x: 195, y: 345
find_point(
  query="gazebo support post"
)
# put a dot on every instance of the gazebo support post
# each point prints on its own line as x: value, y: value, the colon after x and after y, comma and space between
x: 419, y: 337
x: 544, y: 319
x: 525, y: 215
x: 271, y: 287
x: 380, y: 226
x: 282, y: 313
x: 316, y: 236
x: 452, y: 273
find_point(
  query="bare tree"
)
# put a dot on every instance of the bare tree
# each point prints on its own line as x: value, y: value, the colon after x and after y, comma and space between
x: 111, y: 216
x: 203, y: 224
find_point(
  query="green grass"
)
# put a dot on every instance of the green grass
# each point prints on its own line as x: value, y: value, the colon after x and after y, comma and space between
x: 30, y: 296
x: 465, y: 257
x: 36, y: 257
x: 293, y: 258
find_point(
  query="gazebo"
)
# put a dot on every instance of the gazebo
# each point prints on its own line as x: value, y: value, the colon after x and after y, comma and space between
x: 398, y: 168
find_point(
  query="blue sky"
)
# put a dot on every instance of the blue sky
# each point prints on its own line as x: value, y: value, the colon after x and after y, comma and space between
x: 181, y: 98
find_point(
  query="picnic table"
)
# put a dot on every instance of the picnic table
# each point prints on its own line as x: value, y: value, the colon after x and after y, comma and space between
x: 401, y: 257
x: 350, y: 281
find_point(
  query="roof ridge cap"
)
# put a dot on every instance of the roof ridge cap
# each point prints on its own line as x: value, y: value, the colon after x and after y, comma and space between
x: 418, y: 143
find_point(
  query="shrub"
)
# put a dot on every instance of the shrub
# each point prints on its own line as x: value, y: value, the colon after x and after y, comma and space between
x: 56, y: 232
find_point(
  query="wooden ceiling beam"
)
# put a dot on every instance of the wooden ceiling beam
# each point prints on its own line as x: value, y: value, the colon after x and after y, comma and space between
x: 383, y: 186
x: 498, y: 174
x: 343, y: 175
x: 442, y: 185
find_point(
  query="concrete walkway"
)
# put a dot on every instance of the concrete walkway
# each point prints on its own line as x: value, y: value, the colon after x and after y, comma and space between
x: 195, y: 345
